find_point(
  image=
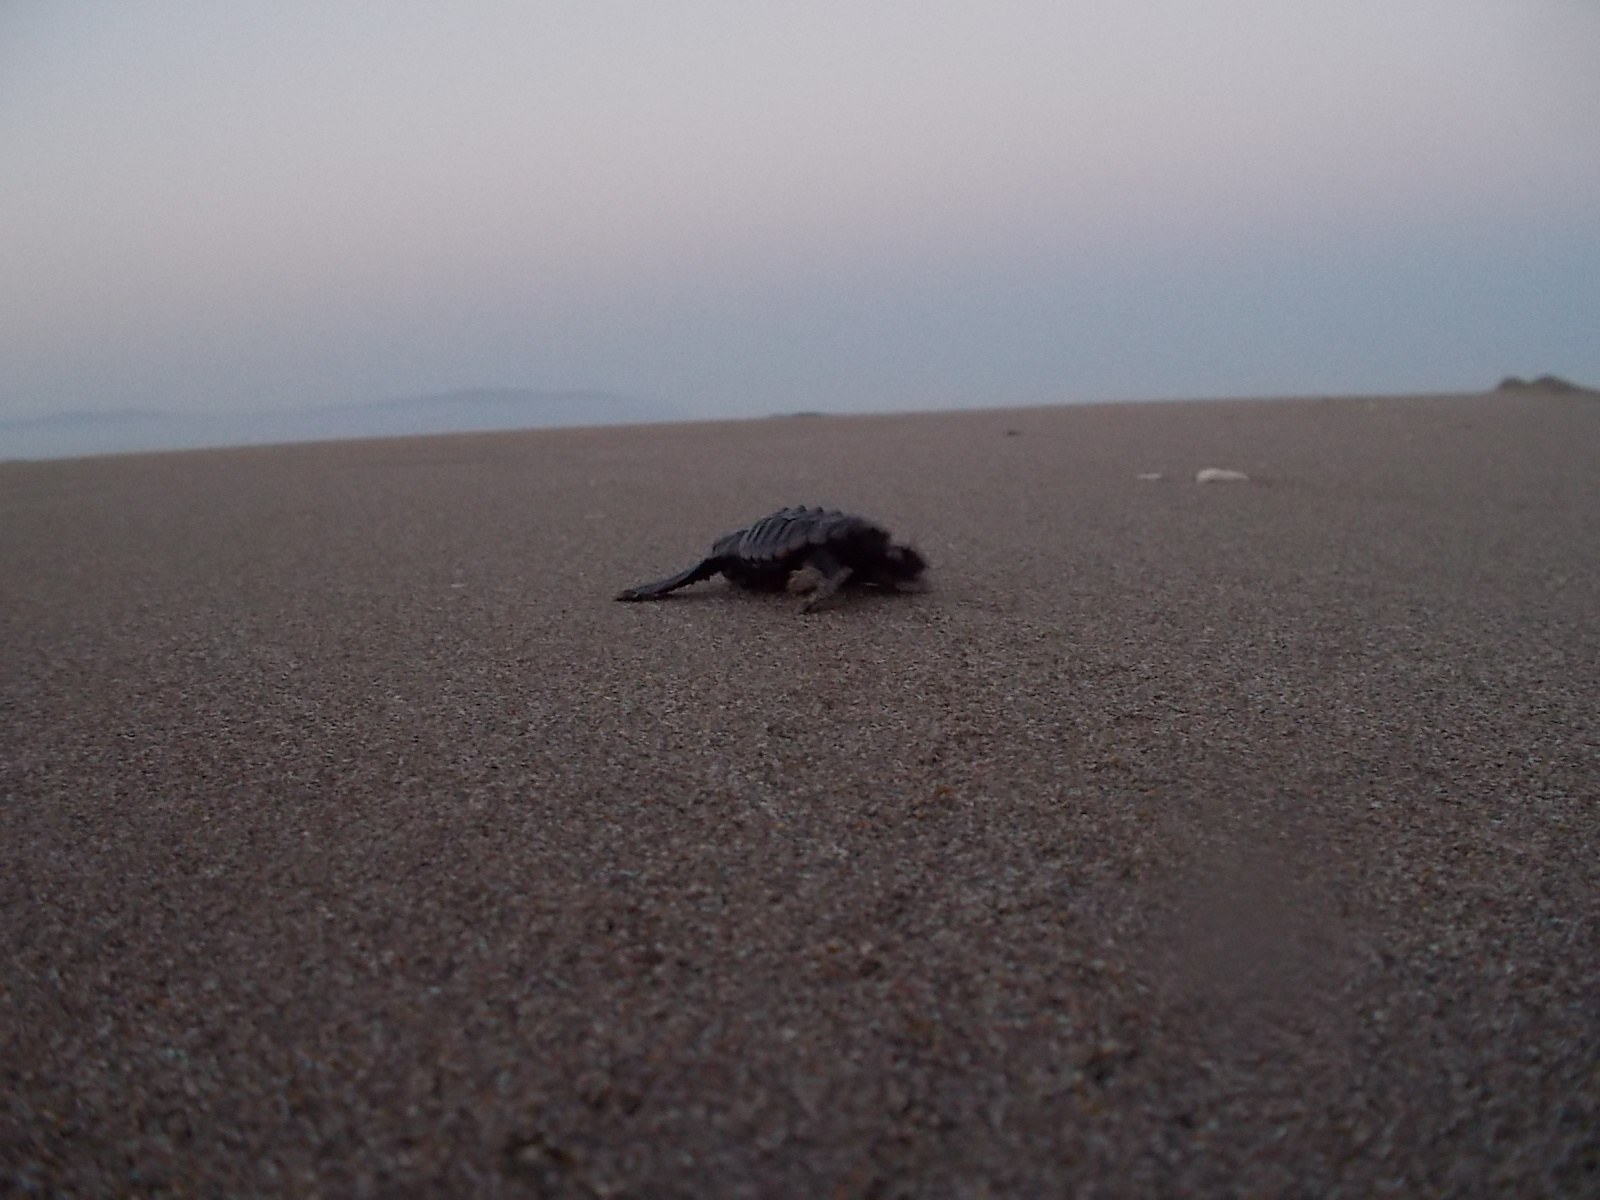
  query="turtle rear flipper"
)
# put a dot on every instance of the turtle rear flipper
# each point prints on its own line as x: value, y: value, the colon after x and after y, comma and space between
x: 704, y: 569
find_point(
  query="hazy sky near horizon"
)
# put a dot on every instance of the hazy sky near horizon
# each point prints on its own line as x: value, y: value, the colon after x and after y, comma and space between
x: 742, y: 207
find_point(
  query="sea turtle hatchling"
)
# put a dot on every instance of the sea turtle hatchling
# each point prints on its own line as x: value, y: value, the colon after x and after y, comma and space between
x: 817, y: 550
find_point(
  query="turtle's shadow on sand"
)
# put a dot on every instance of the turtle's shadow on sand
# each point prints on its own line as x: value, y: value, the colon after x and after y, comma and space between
x: 849, y: 598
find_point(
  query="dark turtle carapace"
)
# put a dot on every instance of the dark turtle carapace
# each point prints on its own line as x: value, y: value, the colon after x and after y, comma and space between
x: 817, y: 550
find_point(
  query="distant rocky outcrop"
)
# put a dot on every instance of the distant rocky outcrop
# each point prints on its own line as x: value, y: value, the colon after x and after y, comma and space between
x: 1552, y: 385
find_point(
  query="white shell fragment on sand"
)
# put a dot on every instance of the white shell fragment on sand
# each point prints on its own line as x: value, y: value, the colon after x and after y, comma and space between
x: 1219, y: 475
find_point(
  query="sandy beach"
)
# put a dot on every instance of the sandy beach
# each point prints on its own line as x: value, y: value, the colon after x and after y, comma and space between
x: 1211, y: 839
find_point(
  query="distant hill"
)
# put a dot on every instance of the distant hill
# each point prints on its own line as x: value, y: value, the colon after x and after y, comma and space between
x: 472, y: 410
x: 1552, y: 384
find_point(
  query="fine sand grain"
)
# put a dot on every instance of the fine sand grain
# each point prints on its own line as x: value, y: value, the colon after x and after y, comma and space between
x: 1223, y: 839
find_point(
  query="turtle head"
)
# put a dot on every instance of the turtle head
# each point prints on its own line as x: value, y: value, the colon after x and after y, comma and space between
x: 902, y: 563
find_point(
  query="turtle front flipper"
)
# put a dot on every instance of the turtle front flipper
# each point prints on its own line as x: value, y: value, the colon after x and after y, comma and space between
x: 823, y: 575
x: 704, y: 569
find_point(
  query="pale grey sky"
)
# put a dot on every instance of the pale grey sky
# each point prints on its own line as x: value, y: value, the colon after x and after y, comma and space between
x: 742, y: 207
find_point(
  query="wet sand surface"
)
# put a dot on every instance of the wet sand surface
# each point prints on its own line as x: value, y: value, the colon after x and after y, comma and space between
x: 1212, y: 839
